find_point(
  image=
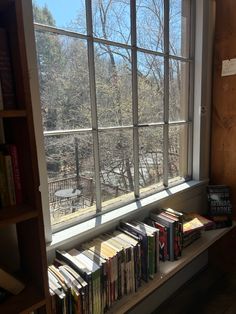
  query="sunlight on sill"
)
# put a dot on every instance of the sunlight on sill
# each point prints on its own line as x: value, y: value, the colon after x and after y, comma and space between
x: 67, y: 220
x: 110, y: 219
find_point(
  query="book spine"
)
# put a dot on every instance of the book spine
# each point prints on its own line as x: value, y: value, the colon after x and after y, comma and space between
x: 10, y: 180
x: 16, y: 173
x: 5, y: 199
x: 6, y: 73
x: 2, y: 133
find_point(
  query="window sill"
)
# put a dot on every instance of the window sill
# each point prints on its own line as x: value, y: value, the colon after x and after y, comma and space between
x: 102, y: 223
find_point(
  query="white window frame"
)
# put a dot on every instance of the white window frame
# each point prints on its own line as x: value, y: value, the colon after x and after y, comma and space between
x: 205, y: 13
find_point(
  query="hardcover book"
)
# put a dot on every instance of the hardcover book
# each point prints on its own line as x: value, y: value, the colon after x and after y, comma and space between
x: 219, y: 200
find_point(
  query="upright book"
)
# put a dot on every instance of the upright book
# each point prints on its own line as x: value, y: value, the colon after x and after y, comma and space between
x: 6, y: 73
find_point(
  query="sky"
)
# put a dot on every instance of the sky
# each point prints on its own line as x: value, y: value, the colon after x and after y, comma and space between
x: 63, y: 10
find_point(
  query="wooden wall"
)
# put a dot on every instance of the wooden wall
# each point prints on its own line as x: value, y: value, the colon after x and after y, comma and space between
x: 223, y: 140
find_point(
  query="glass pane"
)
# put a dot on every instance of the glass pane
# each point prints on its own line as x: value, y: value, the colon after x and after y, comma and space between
x: 116, y: 164
x: 150, y: 158
x: 113, y: 85
x: 178, y: 152
x: 179, y: 27
x: 69, y: 14
x: 64, y: 83
x: 150, y: 24
x: 150, y: 88
x: 70, y: 168
x: 178, y: 90
x: 111, y: 20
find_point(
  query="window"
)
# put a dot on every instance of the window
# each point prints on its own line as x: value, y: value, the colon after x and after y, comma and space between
x: 116, y: 84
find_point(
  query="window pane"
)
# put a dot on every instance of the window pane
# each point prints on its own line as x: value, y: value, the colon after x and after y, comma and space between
x: 69, y: 14
x: 150, y: 24
x: 111, y: 20
x: 116, y: 164
x: 64, y: 82
x: 113, y: 85
x: 150, y: 158
x: 178, y: 90
x: 179, y: 27
x: 178, y: 152
x: 150, y: 88
x: 70, y: 166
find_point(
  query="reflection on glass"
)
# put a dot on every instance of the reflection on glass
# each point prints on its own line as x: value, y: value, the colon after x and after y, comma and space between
x: 150, y: 88
x: 64, y: 82
x: 116, y: 163
x: 150, y: 24
x: 70, y: 168
x: 113, y: 85
x: 179, y: 27
x: 178, y: 152
x: 178, y: 90
x: 111, y: 20
x: 150, y: 157
x: 69, y: 15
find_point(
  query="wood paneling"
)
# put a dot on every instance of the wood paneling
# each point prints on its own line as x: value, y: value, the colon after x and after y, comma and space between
x: 223, y: 141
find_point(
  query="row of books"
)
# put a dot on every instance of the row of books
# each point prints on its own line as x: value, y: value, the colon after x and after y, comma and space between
x: 90, y: 279
x: 10, y: 182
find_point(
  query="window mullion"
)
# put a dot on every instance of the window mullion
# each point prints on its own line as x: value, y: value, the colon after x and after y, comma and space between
x: 135, y: 98
x: 191, y: 86
x: 93, y: 100
x: 166, y: 94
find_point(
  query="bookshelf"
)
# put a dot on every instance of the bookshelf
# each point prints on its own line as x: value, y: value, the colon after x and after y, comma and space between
x: 169, y: 269
x: 17, y: 120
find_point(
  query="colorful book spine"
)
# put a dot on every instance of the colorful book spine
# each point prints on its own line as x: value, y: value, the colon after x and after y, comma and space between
x: 16, y: 172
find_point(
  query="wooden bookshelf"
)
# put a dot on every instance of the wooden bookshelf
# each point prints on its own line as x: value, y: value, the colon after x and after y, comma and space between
x: 28, y: 300
x: 16, y: 214
x: 169, y: 269
x: 18, y: 129
x: 12, y: 113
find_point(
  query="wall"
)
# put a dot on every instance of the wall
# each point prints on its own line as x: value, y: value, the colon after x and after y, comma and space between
x: 223, y: 143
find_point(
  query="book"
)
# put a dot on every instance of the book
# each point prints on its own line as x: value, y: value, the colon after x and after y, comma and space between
x: 81, y: 269
x: 192, y: 224
x: 120, y: 252
x: 6, y: 73
x: 178, y: 231
x: 141, y: 235
x: 208, y: 223
x: 104, y: 275
x: 133, y: 258
x: 219, y: 200
x: 99, y: 248
x: 84, y: 286
x: 13, y: 152
x: 170, y: 224
x: 163, y: 240
x: 4, y: 193
x: 153, y: 246
x: 2, y: 132
x: 10, y: 179
x: 95, y: 271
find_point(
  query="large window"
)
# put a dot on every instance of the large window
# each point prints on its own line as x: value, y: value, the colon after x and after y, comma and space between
x: 116, y: 85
